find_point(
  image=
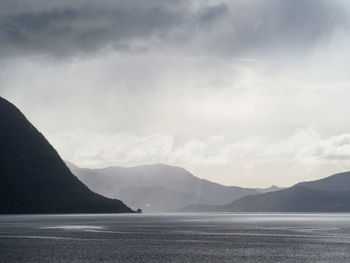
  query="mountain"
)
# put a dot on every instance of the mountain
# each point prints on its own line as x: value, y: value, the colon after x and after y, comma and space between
x: 336, y: 182
x: 33, y: 177
x: 157, y: 187
x: 331, y: 194
x: 272, y: 188
x: 294, y: 199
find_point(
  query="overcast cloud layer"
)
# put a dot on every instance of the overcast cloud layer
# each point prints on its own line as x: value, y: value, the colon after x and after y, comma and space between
x: 247, y: 93
x: 232, y: 28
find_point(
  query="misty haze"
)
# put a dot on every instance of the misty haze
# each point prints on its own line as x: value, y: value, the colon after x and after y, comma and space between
x: 174, y: 131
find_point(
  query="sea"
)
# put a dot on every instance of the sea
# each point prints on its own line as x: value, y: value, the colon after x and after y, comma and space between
x: 175, y: 237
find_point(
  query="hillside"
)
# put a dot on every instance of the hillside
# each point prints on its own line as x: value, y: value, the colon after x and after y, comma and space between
x: 157, y: 187
x: 33, y: 177
x: 336, y: 182
x: 294, y: 199
x: 330, y: 194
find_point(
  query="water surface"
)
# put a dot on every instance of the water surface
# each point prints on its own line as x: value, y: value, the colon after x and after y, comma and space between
x: 175, y: 238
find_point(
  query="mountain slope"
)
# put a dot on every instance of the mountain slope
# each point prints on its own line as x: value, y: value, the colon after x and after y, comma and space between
x: 157, y: 187
x: 336, y: 182
x: 34, y: 179
x: 294, y: 199
x: 331, y: 194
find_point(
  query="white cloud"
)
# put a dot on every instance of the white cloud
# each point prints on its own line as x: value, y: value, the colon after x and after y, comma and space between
x: 304, y: 149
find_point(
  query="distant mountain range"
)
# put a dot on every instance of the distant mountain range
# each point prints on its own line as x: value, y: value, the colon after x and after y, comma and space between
x: 331, y: 194
x: 33, y: 177
x: 159, y: 187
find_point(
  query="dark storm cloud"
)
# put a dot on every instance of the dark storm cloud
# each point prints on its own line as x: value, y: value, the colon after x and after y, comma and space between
x: 255, y: 27
x: 69, y: 29
x: 64, y: 28
x: 210, y: 14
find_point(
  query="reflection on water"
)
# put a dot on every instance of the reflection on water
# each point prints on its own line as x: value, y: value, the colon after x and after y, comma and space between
x: 73, y: 227
x: 176, y: 238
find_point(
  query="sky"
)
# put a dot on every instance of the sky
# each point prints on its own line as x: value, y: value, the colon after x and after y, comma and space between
x: 248, y: 93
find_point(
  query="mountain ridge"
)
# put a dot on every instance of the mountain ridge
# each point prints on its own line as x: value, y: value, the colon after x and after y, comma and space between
x: 335, y: 182
x: 153, y: 180
x: 329, y: 194
x: 34, y: 178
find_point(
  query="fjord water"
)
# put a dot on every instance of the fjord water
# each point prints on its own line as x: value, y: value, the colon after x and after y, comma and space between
x: 175, y: 238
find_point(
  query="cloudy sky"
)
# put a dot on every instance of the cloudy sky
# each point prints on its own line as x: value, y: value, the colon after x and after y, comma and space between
x: 248, y: 93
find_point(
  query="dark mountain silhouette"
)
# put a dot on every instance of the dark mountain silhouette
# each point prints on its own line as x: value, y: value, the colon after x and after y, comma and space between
x: 34, y: 179
x: 331, y: 194
x: 157, y: 187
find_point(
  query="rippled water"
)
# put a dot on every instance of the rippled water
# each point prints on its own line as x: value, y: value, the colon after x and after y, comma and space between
x: 176, y: 238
